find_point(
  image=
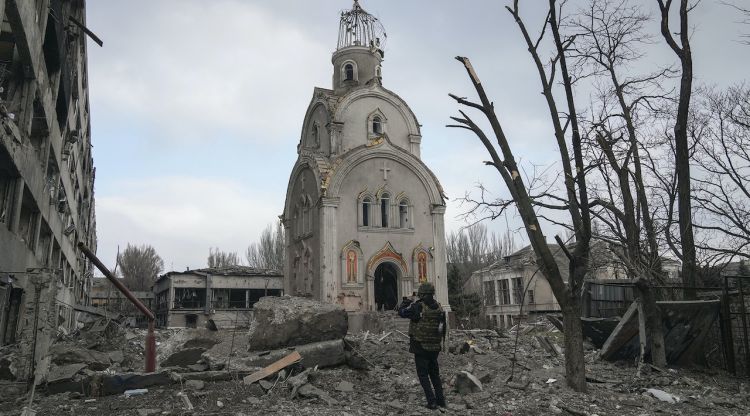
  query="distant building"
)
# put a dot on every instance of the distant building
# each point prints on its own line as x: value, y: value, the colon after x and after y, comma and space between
x: 502, y: 284
x: 46, y: 170
x: 224, y: 295
x: 104, y: 295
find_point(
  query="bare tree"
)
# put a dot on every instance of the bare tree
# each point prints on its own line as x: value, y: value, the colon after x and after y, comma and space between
x: 218, y: 258
x: 139, y: 266
x: 744, y: 20
x: 722, y: 191
x: 565, y: 126
x: 268, y: 252
x: 686, y: 251
x: 611, y: 36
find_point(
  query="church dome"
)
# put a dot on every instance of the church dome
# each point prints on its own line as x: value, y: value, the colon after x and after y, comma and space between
x: 359, y: 52
x: 359, y: 28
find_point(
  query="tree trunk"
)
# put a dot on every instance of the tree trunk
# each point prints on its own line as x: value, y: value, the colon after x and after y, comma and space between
x: 575, y: 368
x: 654, y: 327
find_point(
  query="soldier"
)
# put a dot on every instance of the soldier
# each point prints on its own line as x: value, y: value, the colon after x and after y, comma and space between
x: 426, y: 333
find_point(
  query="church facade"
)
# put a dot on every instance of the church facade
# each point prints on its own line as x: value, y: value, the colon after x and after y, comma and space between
x: 363, y: 214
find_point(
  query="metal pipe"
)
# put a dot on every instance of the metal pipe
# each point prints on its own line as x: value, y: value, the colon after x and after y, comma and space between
x: 150, y: 338
x: 115, y: 281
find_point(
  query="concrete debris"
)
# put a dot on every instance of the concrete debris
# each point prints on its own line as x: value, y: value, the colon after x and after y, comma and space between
x: 663, y: 395
x: 467, y: 383
x: 183, y: 358
x: 273, y: 368
x: 187, y: 404
x: 344, y: 386
x: 195, y: 384
x: 286, y: 321
x: 476, y: 384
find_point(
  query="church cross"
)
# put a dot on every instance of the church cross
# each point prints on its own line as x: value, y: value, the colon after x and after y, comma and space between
x: 385, y: 170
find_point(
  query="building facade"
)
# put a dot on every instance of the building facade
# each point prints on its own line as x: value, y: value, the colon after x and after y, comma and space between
x: 502, y: 284
x: 223, y: 295
x: 104, y: 295
x: 46, y: 169
x: 363, y: 214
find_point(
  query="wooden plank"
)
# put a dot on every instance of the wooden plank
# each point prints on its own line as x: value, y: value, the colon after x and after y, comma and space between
x: 623, y: 333
x: 273, y: 368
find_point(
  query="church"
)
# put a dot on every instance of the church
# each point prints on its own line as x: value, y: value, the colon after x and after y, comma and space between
x: 363, y: 214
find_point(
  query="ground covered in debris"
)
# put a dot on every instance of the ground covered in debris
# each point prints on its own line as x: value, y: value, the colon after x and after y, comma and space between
x: 388, y: 384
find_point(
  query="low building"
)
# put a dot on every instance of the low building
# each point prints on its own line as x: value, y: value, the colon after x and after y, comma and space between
x: 105, y: 296
x: 223, y: 295
x: 503, y: 283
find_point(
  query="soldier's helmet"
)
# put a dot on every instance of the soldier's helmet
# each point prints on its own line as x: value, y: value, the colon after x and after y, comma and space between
x: 426, y: 288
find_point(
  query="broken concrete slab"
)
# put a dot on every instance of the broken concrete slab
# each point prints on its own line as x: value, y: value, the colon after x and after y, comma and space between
x: 467, y: 383
x: 183, y: 358
x: 195, y: 384
x: 273, y: 368
x: 322, y: 354
x: 66, y: 354
x: 344, y: 386
x: 308, y: 390
x: 63, y: 372
x: 365, y: 321
x: 685, y: 325
x: 288, y: 321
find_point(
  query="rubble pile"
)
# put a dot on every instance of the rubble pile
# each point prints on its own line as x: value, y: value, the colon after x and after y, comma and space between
x: 481, y: 373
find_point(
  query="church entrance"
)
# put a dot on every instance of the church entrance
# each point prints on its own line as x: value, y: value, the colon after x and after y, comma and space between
x: 386, y: 286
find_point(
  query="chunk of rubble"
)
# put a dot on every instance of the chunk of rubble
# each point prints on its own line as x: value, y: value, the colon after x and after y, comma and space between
x: 663, y: 395
x: 286, y: 321
x: 467, y: 383
x: 183, y: 358
x: 65, y: 354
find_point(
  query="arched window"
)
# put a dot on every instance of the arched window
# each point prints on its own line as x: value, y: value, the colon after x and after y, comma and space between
x: 403, y: 214
x: 366, y: 211
x: 377, y: 125
x: 384, y: 203
x: 348, y: 72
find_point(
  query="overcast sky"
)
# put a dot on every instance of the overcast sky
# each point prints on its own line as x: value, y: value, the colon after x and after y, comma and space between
x: 197, y: 106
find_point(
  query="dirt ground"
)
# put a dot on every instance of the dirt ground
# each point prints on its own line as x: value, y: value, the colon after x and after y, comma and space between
x: 389, y: 386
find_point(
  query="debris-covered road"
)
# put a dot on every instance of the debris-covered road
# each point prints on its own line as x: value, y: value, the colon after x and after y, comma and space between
x: 389, y: 386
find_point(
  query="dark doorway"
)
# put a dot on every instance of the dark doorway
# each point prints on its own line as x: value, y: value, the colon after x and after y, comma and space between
x: 191, y: 321
x: 386, y: 289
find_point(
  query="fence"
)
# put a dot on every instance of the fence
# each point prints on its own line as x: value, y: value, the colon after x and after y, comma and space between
x: 734, y: 324
x: 727, y: 345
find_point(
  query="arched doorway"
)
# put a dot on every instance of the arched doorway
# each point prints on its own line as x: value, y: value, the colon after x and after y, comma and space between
x: 386, y: 286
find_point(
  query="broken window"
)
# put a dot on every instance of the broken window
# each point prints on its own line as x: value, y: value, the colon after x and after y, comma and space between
x: 504, y: 292
x: 189, y: 298
x: 517, y: 290
x: 530, y: 297
x: 384, y: 205
x: 27, y: 227
x: 7, y: 191
x: 403, y: 213
x: 377, y: 125
x: 366, y: 211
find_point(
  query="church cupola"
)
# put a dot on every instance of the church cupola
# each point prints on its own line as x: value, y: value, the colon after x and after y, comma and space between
x: 359, y: 52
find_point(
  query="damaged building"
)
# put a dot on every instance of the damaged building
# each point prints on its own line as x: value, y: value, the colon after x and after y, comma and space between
x: 364, y: 214
x: 501, y: 285
x: 219, y: 296
x: 46, y: 174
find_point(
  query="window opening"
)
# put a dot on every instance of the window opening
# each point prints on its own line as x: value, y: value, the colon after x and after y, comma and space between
x: 348, y: 72
x: 377, y: 125
x: 384, y: 200
x: 403, y: 214
x: 366, y: 212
